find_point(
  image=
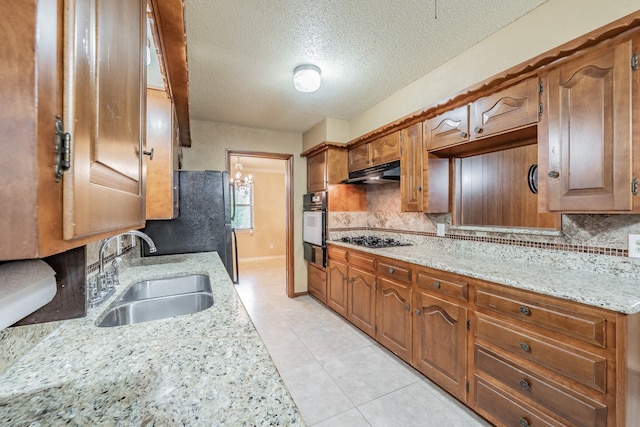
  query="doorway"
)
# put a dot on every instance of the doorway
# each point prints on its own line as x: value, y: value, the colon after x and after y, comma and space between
x: 262, y: 165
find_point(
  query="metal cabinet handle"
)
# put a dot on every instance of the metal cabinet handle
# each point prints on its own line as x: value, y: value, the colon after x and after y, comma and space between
x: 554, y: 174
x: 418, y: 188
x: 525, y: 310
x: 391, y: 270
x: 373, y: 160
x: 149, y: 153
x: 478, y: 130
x: 524, y: 422
x: 436, y: 284
x: 525, y: 347
x: 525, y: 384
x: 417, y: 312
x: 463, y: 134
x: 367, y: 162
x: 406, y: 307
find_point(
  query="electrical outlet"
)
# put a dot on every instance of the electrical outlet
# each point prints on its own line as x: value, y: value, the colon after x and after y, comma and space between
x: 634, y: 245
x: 440, y: 230
x: 270, y: 245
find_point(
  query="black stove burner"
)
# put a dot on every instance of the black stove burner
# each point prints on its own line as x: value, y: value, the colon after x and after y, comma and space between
x: 374, y: 241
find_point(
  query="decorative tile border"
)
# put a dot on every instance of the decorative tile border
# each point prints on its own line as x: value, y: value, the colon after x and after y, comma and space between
x: 500, y: 241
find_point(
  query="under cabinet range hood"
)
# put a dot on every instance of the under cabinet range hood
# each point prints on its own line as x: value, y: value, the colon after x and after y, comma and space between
x: 380, y: 174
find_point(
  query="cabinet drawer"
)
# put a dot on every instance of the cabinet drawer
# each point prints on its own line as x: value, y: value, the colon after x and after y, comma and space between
x: 585, y: 368
x: 395, y: 271
x: 358, y: 259
x: 458, y: 290
x: 566, y: 403
x: 508, y: 410
x: 337, y: 254
x: 584, y: 327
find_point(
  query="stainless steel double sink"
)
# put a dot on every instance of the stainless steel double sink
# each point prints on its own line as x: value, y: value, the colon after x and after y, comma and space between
x: 159, y: 299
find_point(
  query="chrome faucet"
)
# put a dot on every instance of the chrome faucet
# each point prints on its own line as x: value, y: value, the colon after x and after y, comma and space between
x: 104, y: 285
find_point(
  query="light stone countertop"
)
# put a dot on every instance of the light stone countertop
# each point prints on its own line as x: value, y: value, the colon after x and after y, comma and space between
x: 208, y: 368
x: 598, y: 289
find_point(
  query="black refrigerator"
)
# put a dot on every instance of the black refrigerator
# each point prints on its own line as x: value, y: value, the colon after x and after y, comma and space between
x: 204, y: 221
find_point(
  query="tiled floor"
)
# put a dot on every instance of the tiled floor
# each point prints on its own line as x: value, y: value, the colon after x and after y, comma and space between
x: 336, y: 374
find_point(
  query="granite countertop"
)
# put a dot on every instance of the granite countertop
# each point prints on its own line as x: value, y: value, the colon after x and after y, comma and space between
x: 208, y: 368
x: 620, y: 294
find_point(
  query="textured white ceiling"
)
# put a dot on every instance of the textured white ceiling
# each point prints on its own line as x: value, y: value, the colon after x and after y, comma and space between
x: 242, y: 53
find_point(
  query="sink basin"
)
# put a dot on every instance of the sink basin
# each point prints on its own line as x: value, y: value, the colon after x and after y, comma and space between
x: 159, y: 299
x: 165, y: 287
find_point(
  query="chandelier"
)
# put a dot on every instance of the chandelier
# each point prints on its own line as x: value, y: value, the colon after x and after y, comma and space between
x: 242, y: 183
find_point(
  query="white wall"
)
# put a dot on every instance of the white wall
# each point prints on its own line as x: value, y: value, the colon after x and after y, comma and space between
x: 207, y: 151
x: 546, y: 27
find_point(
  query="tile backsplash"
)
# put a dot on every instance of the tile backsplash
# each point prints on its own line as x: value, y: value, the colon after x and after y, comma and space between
x: 595, y: 234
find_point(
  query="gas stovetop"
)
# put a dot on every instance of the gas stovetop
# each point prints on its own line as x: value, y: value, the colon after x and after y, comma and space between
x: 374, y: 241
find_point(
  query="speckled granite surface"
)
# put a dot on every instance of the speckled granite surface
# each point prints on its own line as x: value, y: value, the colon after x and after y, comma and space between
x: 209, y: 368
x: 612, y: 284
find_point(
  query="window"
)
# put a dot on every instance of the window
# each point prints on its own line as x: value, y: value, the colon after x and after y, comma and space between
x: 243, y: 218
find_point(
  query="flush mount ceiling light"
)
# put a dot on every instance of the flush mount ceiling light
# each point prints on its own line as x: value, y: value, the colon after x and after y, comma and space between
x: 306, y: 78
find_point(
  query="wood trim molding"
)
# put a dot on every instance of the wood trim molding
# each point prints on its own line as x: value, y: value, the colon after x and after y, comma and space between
x: 288, y: 182
x: 323, y: 146
x: 168, y: 16
x: 628, y: 24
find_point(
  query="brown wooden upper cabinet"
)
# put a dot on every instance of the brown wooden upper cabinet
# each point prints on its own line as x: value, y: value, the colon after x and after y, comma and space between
x: 327, y: 166
x: 105, y: 114
x: 585, y: 140
x: 102, y: 85
x: 504, y: 111
x: 382, y: 150
x: 164, y: 139
x: 411, y: 180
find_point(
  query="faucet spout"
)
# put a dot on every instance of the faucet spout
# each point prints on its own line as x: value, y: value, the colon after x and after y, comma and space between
x: 105, y: 243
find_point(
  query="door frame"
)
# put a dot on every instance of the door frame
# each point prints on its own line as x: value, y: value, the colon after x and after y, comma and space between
x: 288, y: 184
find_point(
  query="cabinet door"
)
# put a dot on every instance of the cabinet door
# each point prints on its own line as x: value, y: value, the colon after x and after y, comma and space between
x: 317, y: 172
x: 447, y: 129
x: 362, y: 300
x: 359, y: 157
x: 513, y: 107
x: 588, y: 140
x: 105, y: 111
x: 337, y: 287
x: 385, y: 149
x: 317, y: 281
x: 411, y: 168
x: 440, y: 337
x: 160, y: 185
x: 393, y: 317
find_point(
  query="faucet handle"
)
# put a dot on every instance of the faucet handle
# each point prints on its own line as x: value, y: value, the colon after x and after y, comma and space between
x: 93, y: 294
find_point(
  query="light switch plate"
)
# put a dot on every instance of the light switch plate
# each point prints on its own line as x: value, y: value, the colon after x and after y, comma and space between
x: 440, y: 230
x: 634, y: 245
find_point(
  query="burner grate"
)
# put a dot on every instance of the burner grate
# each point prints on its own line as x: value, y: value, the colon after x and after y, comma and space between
x: 374, y: 241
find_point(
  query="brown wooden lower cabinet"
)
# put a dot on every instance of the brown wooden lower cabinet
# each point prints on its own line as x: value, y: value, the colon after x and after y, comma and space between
x: 515, y: 357
x: 440, y: 342
x: 317, y: 282
x: 393, y: 317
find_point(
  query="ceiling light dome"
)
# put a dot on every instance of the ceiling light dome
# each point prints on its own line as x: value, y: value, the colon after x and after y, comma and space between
x: 306, y: 78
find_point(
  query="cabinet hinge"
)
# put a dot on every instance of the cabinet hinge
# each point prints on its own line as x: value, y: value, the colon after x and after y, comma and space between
x: 634, y: 186
x: 540, y: 109
x: 540, y: 87
x: 376, y: 285
x: 468, y: 324
x: 467, y: 386
x: 634, y: 62
x: 62, y: 149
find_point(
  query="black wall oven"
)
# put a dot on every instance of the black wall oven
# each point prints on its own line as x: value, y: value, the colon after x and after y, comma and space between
x: 314, y: 233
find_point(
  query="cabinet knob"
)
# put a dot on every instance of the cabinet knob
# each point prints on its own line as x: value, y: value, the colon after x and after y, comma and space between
x: 525, y: 347
x: 436, y: 285
x: 367, y: 162
x: 406, y: 307
x: 149, y: 153
x: 418, y: 188
x: 554, y: 174
x: 525, y: 310
x: 463, y: 134
x: 524, y: 422
x: 417, y: 312
x: 525, y: 384
x: 373, y: 160
x: 391, y: 270
x: 478, y: 130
